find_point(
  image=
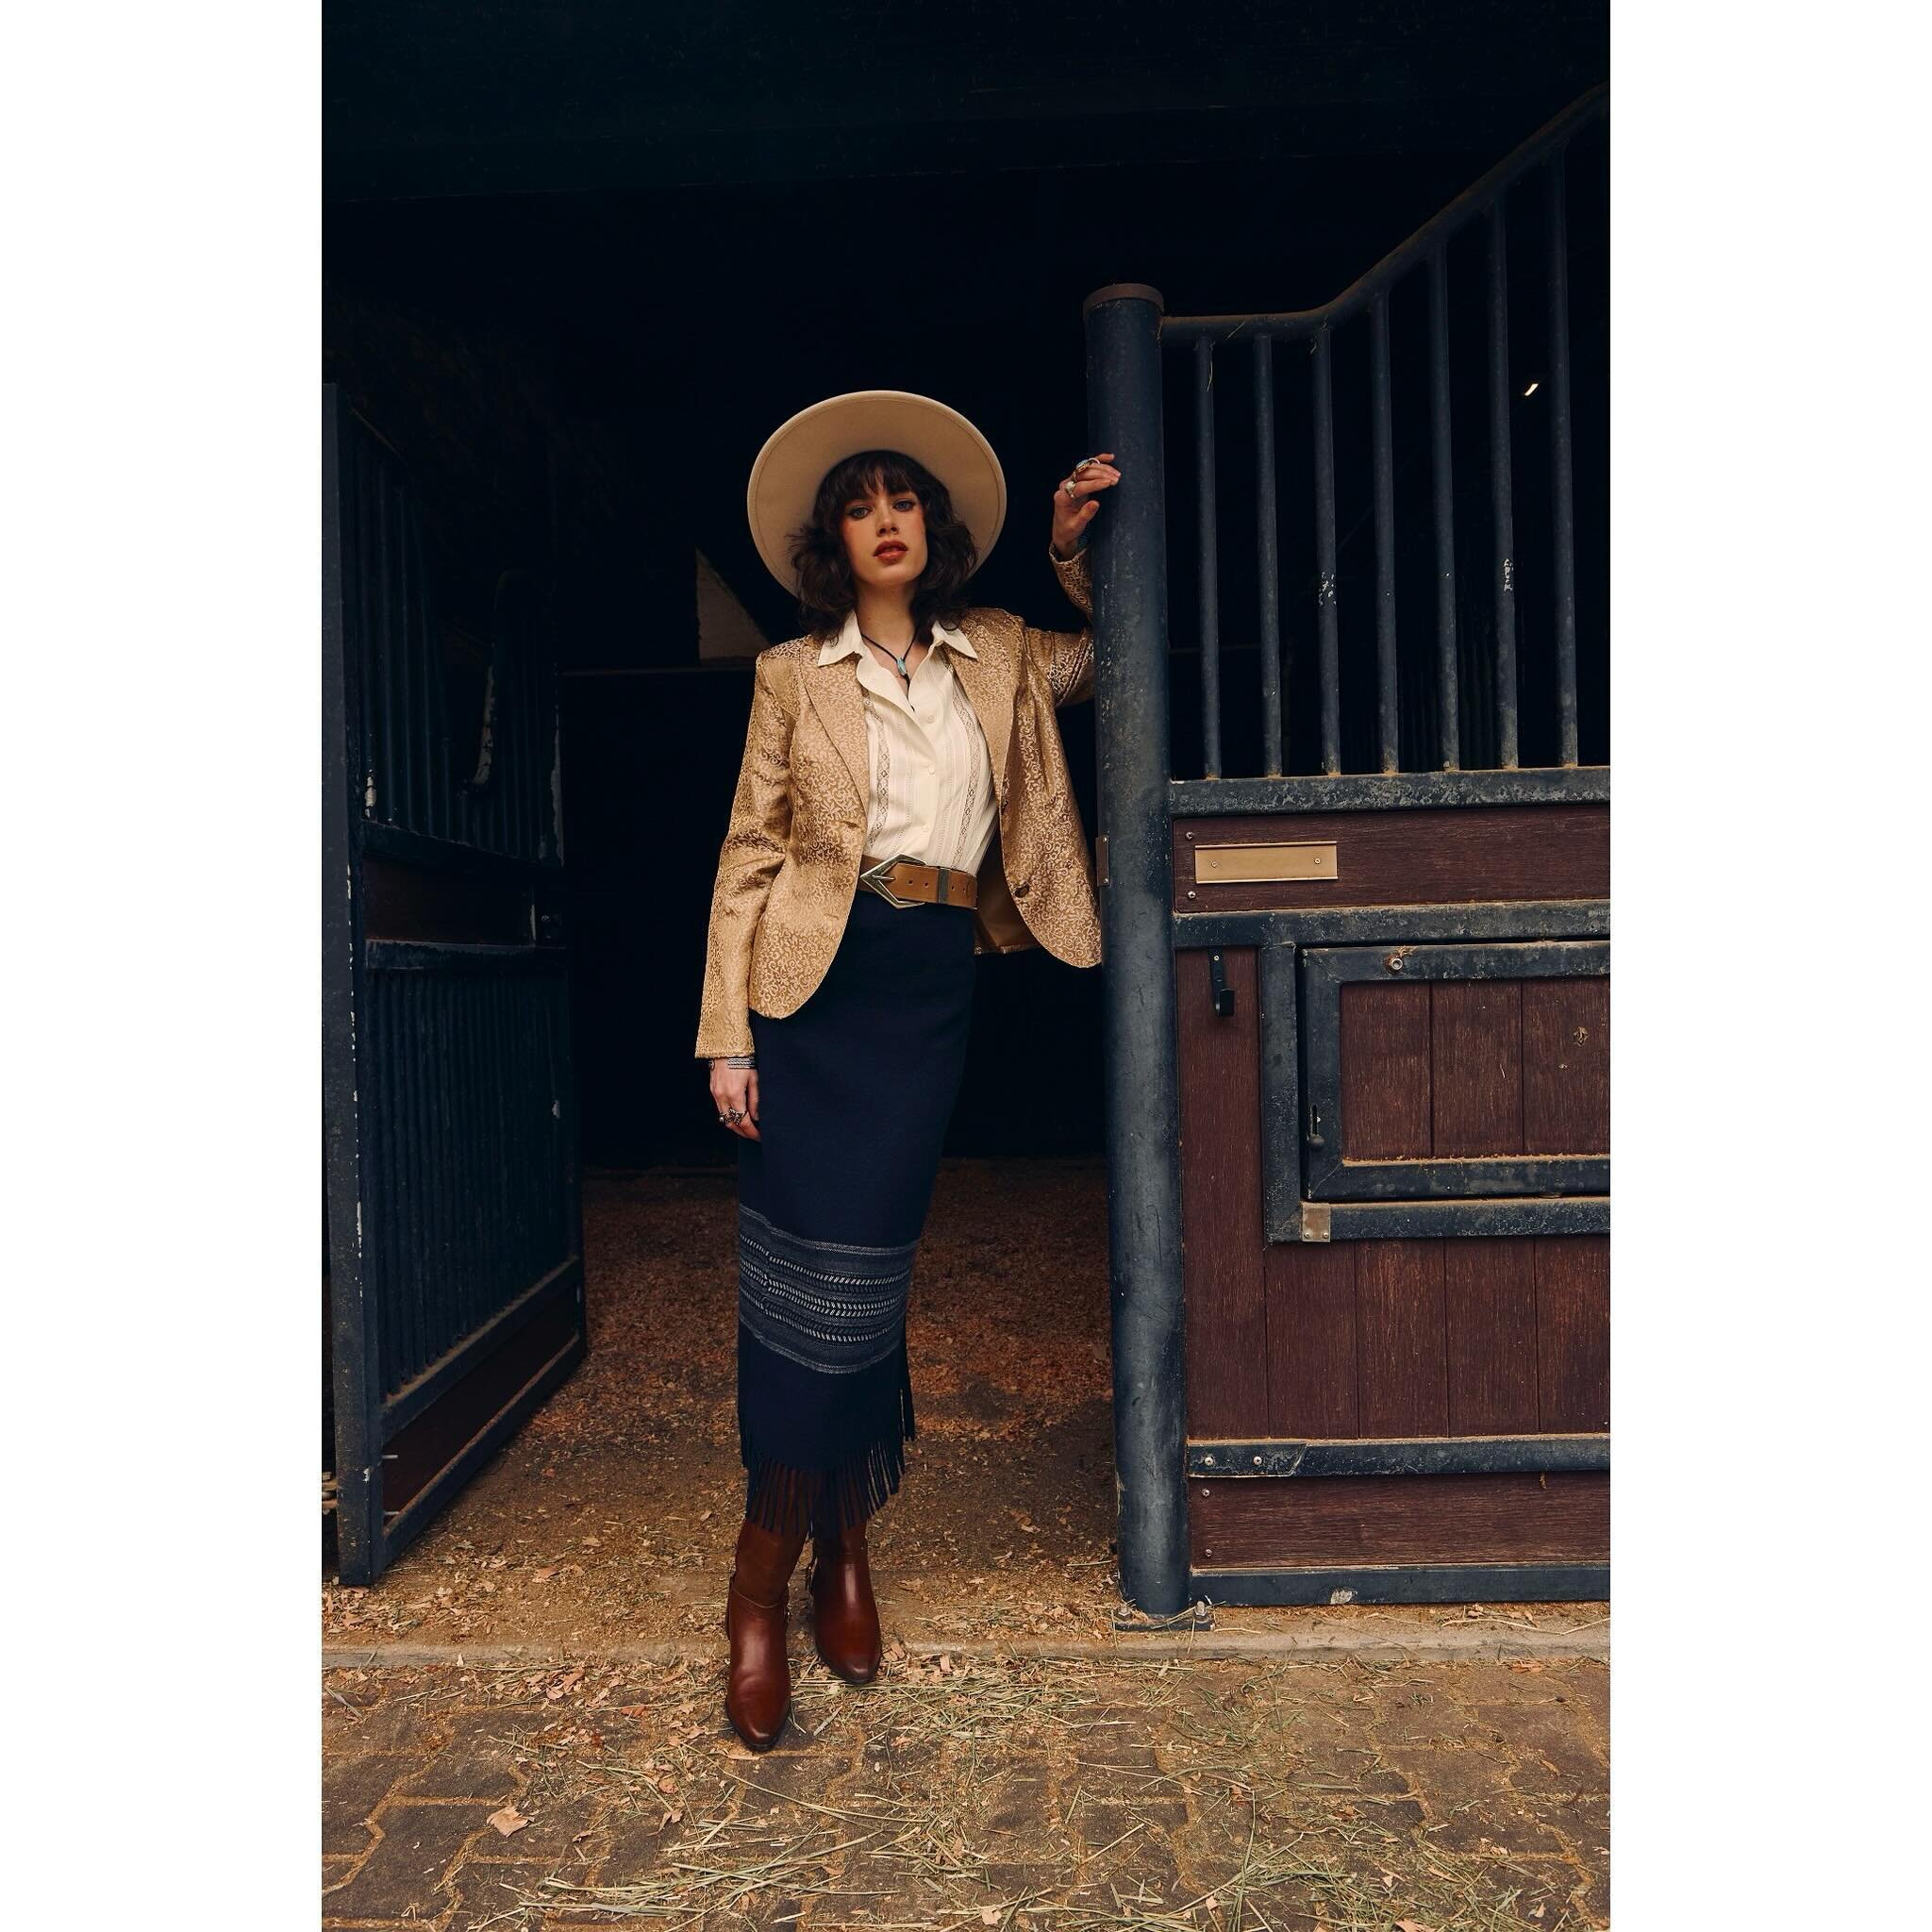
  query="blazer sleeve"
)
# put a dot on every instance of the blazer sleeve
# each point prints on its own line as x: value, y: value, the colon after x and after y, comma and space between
x: 1067, y: 656
x: 754, y: 849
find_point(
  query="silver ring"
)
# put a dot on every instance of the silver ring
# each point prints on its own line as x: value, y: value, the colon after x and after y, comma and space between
x: 1067, y: 484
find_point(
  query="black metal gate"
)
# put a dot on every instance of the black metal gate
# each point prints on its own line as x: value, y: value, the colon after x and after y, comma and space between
x: 1360, y: 1350
x: 455, y: 1267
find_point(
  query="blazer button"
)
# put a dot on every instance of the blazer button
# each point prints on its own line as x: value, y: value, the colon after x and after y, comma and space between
x: 1021, y: 890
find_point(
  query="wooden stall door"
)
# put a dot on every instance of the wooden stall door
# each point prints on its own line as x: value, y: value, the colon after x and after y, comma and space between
x: 456, y: 1269
x: 1394, y: 1179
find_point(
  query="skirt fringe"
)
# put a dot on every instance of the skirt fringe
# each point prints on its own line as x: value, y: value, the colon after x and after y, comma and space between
x: 790, y: 1500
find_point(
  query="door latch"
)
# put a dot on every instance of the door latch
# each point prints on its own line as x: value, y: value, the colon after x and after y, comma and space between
x: 1220, y: 994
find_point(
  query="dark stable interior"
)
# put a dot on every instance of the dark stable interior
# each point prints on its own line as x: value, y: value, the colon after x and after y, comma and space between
x: 577, y: 309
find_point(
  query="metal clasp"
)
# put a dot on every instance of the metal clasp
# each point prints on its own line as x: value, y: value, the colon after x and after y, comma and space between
x: 874, y: 877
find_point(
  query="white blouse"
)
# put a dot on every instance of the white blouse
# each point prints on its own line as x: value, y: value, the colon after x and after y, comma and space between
x: 932, y: 796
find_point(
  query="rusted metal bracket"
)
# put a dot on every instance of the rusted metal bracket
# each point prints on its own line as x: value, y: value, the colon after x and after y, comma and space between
x: 1197, y: 1616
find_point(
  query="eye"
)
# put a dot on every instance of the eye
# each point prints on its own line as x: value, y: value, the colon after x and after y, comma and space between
x: 857, y: 509
x: 906, y: 503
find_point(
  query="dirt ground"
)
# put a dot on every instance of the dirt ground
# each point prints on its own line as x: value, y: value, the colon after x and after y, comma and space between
x: 604, y: 1528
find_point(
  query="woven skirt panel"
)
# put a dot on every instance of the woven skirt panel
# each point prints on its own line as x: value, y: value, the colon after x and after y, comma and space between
x: 854, y: 1092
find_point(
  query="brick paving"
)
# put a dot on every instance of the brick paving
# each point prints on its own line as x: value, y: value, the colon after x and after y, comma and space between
x: 1025, y: 1792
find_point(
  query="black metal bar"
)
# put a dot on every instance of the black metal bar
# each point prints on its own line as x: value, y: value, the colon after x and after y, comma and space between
x: 1271, y: 1460
x: 1382, y: 791
x: 444, y: 855
x: 399, y: 604
x: 1267, y: 557
x: 1562, y: 492
x: 1328, y: 968
x: 1502, y: 511
x: 427, y: 956
x: 382, y: 712
x: 1388, y: 696
x: 1330, y: 634
x: 1450, y: 1178
x: 1554, y: 136
x: 1369, y: 925
x: 353, y: 1339
x: 1209, y: 560
x: 1124, y: 390
x: 1412, y: 1583
x: 1282, y: 1170
x: 1443, y: 457
x: 1427, y: 1220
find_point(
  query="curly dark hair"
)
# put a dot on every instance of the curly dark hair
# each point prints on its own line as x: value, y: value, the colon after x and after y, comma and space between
x: 825, y: 589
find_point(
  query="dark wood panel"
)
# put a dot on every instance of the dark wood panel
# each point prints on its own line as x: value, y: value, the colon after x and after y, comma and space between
x: 1401, y: 1343
x: 1566, y: 1066
x: 1312, y: 1339
x: 1573, y: 1315
x: 1306, y: 1523
x: 1490, y: 1289
x: 1220, y: 1199
x: 1385, y: 1071
x: 1476, y: 1048
x: 422, y: 1448
x: 1449, y: 856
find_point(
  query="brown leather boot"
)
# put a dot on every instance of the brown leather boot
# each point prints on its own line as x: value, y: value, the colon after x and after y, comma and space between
x: 845, y: 1619
x: 758, y: 1694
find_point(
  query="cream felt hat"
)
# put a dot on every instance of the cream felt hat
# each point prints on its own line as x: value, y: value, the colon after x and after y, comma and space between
x: 786, y: 476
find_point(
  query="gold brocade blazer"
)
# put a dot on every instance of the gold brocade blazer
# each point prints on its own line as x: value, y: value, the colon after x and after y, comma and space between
x: 789, y: 862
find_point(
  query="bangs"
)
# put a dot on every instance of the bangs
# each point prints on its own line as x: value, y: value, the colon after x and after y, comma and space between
x: 871, y: 470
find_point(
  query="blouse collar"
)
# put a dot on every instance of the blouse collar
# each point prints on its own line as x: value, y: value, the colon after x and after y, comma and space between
x: 848, y: 643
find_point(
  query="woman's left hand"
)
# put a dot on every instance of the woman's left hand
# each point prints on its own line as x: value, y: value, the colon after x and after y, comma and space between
x: 1075, y: 499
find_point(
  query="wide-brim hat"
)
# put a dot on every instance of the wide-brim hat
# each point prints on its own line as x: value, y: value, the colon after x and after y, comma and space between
x: 785, y: 478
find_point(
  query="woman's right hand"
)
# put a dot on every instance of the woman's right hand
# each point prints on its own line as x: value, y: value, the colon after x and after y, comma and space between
x: 736, y: 1091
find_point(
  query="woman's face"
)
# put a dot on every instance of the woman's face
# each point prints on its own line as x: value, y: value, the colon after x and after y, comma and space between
x: 885, y: 537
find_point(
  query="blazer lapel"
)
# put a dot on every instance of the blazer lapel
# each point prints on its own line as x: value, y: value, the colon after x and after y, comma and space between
x: 834, y: 692
x: 986, y: 682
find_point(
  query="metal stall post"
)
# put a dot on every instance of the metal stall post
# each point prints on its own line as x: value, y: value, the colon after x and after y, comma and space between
x: 1124, y: 402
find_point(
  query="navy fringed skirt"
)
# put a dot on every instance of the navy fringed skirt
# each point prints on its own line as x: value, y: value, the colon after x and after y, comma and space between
x: 855, y: 1091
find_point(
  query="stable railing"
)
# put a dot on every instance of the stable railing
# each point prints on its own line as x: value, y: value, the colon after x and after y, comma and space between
x: 1481, y: 213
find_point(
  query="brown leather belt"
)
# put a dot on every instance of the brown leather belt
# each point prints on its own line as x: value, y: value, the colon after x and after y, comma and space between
x: 907, y: 882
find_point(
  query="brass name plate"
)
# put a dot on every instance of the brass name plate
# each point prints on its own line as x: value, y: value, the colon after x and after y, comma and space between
x: 1227, y: 865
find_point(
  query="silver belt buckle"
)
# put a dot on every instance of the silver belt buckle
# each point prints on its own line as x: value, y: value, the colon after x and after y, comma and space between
x: 874, y: 877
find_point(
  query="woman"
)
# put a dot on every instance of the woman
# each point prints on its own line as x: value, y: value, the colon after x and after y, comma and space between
x: 903, y: 804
